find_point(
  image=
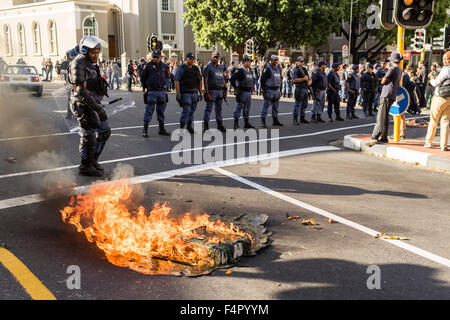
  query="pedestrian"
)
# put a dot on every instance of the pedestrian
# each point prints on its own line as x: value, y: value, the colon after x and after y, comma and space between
x: 243, y: 81
x: 287, y: 81
x: 130, y: 74
x: 410, y: 86
x: 302, y: 82
x: 368, y: 90
x: 49, y: 70
x: 88, y: 90
x: 215, y: 91
x: 153, y: 79
x: 440, y: 106
x: 391, y: 84
x: 333, y: 89
x: 343, y: 77
x: 231, y: 70
x: 58, y: 69
x: 319, y: 84
x: 188, y: 85
x: 352, y: 84
x: 381, y: 72
x: 422, y: 81
x: 271, y: 84
x: 140, y: 68
x: 43, y: 67
x: 430, y: 89
x: 115, y: 74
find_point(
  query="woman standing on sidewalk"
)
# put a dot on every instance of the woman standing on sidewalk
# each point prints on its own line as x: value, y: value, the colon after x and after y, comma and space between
x: 440, y: 105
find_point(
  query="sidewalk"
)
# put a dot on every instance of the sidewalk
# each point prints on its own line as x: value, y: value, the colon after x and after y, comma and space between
x: 408, y: 150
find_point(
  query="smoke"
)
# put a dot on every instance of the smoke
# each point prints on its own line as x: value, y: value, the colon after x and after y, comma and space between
x: 126, y: 171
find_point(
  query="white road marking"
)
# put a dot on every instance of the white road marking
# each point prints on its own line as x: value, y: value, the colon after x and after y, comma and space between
x: 35, y: 198
x: 354, y: 225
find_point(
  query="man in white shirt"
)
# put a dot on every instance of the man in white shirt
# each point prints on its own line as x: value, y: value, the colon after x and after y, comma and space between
x: 440, y: 106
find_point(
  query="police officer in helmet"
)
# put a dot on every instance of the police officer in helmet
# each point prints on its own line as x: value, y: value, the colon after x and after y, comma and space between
x: 88, y: 90
x: 153, y: 78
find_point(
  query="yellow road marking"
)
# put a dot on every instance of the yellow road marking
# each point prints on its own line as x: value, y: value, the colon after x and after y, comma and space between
x: 25, y: 277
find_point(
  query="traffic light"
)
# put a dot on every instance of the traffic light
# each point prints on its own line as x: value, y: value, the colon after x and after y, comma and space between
x: 419, y: 40
x: 152, y: 42
x: 387, y: 14
x: 249, y: 47
x: 446, y: 36
x: 413, y: 14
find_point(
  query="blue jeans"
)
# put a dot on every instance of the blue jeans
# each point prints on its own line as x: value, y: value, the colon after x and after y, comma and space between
x: 273, y: 98
x: 319, y: 103
x: 115, y: 78
x: 216, y: 101
x: 301, y: 102
x: 155, y: 99
x: 243, y: 106
x: 287, y: 87
x: 189, y: 103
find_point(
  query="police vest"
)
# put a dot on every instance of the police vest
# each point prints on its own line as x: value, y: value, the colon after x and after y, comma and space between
x: 216, y: 78
x: 190, y: 79
x: 274, y: 81
x: 156, y: 75
x: 301, y: 73
x: 248, y: 80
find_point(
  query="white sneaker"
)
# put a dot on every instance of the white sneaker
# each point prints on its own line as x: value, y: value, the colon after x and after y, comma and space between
x: 427, y: 145
x: 444, y: 149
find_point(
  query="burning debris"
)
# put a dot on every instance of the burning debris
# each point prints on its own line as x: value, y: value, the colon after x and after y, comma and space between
x: 154, y: 243
x: 417, y: 123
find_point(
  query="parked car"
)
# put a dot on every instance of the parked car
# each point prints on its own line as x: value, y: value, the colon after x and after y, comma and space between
x: 21, y: 77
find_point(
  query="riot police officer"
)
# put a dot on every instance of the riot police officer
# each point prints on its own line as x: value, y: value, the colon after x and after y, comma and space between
x: 153, y: 79
x: 271, y: 84
x: 215, y: 91
x: 352, y: 84
x: 188, y: 84
x: 333, y: 89
x: 368, y: 90
x: 243, y: 82
x: 302, y: 82
x: 88, y: 90
x: 319, y: 85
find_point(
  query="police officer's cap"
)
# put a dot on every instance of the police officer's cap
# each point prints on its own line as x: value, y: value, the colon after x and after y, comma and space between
x: 335, y: 65
x: 370, y: 66
x: 355, y: 67
x: 215, y: 54
x: 300, y: 59
x: 377, y: 65
x: 156, y: 53
x: 322, y: 63
x: 273, y: 57
x: 246, y: 59
x: 190, y: 55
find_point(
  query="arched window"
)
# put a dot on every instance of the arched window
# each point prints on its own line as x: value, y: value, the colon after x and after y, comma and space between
x: 52, y: 42
x: 36, y: 34
x: 21, y: 47
x: 90, y: 27
x: 7, y: 40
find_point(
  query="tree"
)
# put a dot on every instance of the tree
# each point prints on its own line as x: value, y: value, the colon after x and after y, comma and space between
x: 291, y: 23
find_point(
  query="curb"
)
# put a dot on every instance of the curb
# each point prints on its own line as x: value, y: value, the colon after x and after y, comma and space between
x: 409, y: 156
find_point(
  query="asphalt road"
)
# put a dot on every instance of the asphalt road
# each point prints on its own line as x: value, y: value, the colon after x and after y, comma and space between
x: 302, y: 262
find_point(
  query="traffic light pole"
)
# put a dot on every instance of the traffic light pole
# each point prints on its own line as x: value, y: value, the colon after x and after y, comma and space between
x: 400, y: 48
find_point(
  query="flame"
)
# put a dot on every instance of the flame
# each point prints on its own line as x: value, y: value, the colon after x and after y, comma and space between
x: 147, y: 243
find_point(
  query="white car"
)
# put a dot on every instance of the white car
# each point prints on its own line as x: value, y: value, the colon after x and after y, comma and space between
x: 21, y: 77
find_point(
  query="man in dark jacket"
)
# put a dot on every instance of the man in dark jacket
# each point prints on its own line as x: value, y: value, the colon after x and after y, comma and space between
x: 368, y: 90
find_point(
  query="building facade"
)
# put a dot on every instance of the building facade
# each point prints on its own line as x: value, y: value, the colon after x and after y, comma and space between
x: 39, y: 29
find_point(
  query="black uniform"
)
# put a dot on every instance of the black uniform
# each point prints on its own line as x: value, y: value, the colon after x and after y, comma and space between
x: 368, y: 90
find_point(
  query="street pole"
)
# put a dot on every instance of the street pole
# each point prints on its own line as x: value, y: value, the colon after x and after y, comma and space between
x: 400, y: 48
x: 350, y: 33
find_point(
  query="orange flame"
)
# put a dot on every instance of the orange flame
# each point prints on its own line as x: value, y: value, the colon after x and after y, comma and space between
x: 135, y: 239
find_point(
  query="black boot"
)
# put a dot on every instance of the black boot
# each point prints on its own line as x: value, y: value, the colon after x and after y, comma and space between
x: 303, y: 120
x: 289, y: 95
x: 248, y: 125
x: 354, y: 116
x: 263, y: 123
x: 277, y: 122
x: 295, y: 122
x: 190, y: 128
x: 313, y: 119
x: 97, y: 165
x: 205, y: 126
x: 220, y: 126
x: 349, y: 117
x: 236, y: 124
x: 87, y: 169
x: 338, y: 117
x: 330, y: 117
x: 182, y: 125
x: 145, y: 131
x: 162, y: 130
x: 319, y: 118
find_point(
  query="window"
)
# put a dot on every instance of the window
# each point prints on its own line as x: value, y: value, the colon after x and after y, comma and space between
x: 167, y: 5
x: 167, y: 37
x: 36, y: 35
x: 53, y: 48
x: 21, y: 39
x: 7, y: 40
x: 90, y: 27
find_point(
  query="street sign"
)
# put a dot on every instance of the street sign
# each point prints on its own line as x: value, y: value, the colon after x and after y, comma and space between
x: 406, y: 55
x: 438, y: 43
x: 282, y: 53
x: 345, y: 50
x: 401, y: 104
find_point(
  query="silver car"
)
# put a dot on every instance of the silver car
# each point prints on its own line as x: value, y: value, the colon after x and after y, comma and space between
x: 21, y: 77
